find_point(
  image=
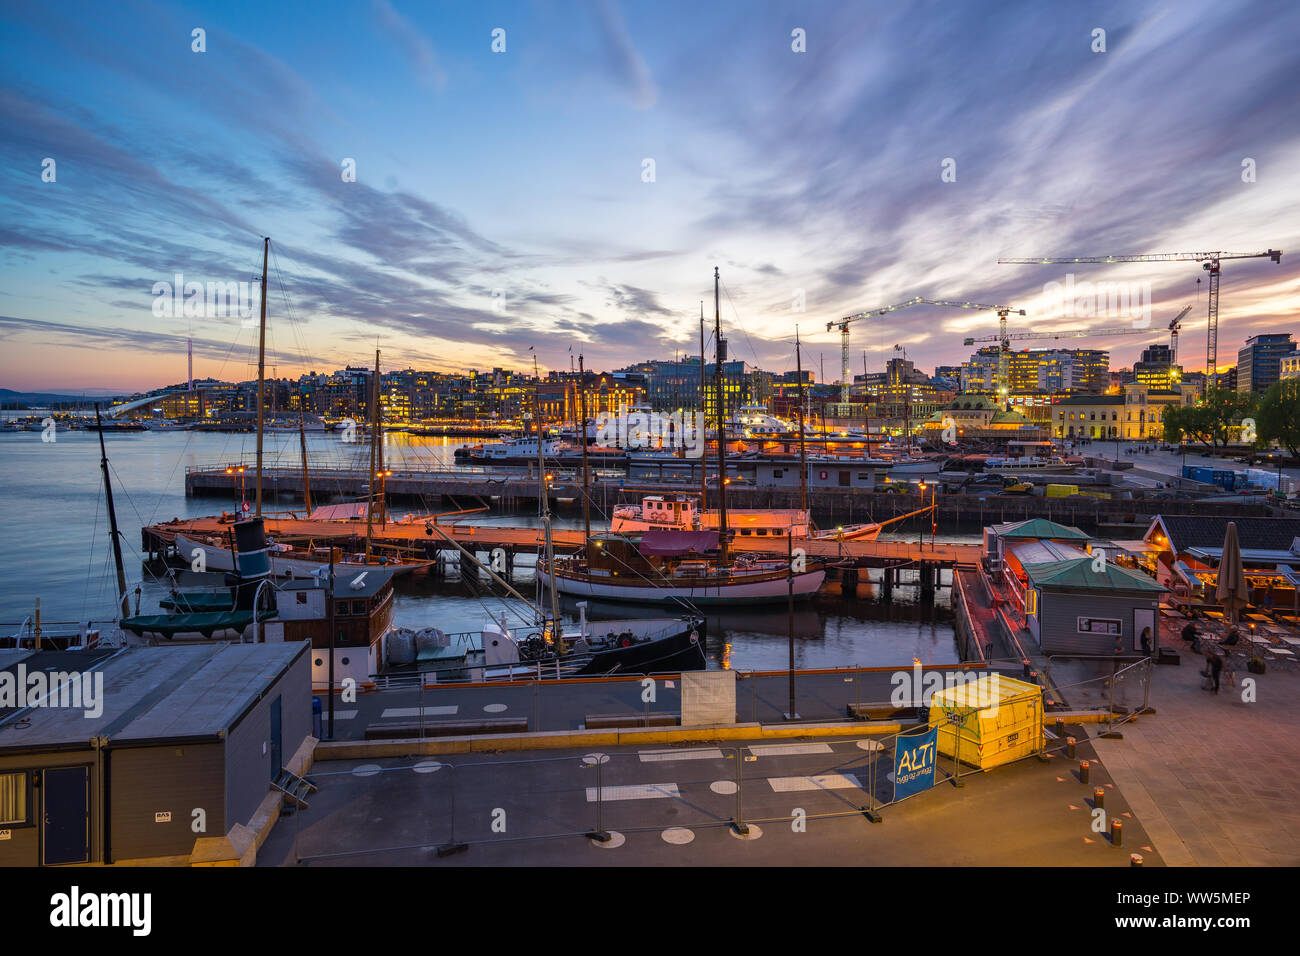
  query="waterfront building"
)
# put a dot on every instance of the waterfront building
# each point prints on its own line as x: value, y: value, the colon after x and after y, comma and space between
x: 1259, y: 362
x: 173, y: 728
x: 1135, y: 414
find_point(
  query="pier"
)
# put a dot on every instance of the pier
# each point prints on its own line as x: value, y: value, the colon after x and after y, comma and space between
x: 464, y: 487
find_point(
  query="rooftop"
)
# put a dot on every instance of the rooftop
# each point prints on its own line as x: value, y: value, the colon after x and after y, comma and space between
x: 194, y: 692
x: 1079, y: 574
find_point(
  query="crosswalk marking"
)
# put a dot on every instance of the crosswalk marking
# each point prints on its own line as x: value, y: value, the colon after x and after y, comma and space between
x: 780, y: 750
x: 446, y: 711
x: 702, y: 753
x: 640, y: 791
x: 824, y: 781
x: 340, y: 714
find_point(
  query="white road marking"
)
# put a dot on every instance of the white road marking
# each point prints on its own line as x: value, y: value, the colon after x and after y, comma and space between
x: 781, y: 750
x: 870, y: 745
x: 702, y: 753
x: 446, y: 711
x: 755, y: 831
x: 723, y: 786
x: 339, y: 714
x: 615, y: 841
x: 678, y: 835
x: 366, y: 770
x: 823, y: 781
x: 494, y: 708
x: 639, y: 791
x: 428, y: 766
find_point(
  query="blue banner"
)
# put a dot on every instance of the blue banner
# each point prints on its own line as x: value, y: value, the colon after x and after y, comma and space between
x: 915, y: 766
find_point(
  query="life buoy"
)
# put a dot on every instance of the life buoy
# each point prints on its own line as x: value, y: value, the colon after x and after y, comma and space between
x: 625, y: 642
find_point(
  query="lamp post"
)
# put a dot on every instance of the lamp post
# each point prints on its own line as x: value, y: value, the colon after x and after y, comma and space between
x: 383, y: 495
x: 238, y: 470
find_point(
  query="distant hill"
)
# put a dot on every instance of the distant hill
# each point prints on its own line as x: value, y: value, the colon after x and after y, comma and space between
x: 9, y: 398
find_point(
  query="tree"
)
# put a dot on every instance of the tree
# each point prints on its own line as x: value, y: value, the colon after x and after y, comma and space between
x: 1208, y: 421
x: 1278, y: 416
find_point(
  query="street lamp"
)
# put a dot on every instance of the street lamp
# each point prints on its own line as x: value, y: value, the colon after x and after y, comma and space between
x: 238, y: 470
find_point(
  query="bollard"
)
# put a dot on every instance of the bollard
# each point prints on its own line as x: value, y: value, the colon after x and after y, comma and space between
x: 1084, y: 769
x: 1060, y: 727
x: 1135, y: 859
x: 1116, y: 833
x: 1024, y: 664
x: 1069, y: 746
x: 1098, y: 798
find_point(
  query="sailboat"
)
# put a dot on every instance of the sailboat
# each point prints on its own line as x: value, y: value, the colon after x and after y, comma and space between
x: 674, y: 565
x: 544, y: 649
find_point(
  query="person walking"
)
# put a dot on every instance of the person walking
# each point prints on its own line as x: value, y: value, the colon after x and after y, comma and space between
x: 1146, y: 642
x: 1216, y: 668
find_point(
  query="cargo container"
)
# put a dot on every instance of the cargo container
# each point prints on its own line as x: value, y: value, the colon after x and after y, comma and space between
x: 1061, y: 491
x: 996, y: 719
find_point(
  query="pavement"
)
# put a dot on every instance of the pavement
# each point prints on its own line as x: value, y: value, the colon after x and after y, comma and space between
x: 673, y: 806
x: 1214, y: 777
x: 565, y: 705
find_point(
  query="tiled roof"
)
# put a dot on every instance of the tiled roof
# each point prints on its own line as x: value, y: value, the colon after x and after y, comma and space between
x: 1205, y: 531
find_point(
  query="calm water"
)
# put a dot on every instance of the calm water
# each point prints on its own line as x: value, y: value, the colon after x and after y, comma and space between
x: 56, y: 547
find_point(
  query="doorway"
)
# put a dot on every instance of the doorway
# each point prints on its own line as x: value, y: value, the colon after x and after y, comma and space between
x: 1144, y: 618
x: 277, y: 757
x: 65, y: 815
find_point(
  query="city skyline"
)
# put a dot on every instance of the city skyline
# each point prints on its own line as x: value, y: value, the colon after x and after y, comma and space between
x: 500, y: 200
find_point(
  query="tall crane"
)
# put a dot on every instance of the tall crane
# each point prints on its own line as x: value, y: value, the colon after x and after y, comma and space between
x: 1173, y: 333
x: 1209, y: 261
x: 844, y: 323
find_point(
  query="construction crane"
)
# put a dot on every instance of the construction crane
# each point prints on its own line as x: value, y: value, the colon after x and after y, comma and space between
x: 1209, y: 261
x: 844, y: 323
x: 1173, y: 333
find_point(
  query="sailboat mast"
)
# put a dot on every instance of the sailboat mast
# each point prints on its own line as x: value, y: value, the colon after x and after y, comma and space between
x: 704, y: 426
x: 803, y: 446
x: 544, y: 511
x: 112, y: 519
x: 261, y: 374
x: 302, y: 441
x: 370, y: 482
x: 722, y: 425
x: 582, y: 437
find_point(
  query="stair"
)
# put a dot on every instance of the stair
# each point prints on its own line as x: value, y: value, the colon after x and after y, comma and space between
x: 294, y: 787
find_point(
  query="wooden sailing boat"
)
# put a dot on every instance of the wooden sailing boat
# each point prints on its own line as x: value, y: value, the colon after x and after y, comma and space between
x: 683, y: 566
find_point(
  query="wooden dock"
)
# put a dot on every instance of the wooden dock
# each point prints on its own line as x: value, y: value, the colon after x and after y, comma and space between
x: 484, y: 539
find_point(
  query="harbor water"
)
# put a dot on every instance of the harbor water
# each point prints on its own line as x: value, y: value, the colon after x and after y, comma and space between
x: 57, y: 548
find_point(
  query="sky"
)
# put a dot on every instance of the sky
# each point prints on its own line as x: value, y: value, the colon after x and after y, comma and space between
x: 572, y: 190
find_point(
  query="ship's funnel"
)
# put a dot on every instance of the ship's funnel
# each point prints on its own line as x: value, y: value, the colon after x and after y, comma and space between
x: 252, y: 561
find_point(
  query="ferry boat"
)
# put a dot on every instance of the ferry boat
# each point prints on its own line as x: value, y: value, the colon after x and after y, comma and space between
x: 675, y: 567
x: 754, y: 421
x: 680, y: 512
x: 509, y: 451
x: 1018, y: 466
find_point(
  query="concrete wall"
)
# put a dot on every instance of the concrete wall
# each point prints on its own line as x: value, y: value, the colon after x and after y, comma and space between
x: 248, y: 745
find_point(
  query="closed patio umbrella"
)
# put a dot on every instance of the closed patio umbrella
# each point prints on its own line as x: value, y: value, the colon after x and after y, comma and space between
x: 1232, y: 591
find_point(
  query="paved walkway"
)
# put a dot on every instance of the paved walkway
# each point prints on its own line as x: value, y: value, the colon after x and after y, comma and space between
x: 1213, y: 778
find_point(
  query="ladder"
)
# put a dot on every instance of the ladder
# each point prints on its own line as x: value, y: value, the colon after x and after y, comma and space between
x: 294, y: 787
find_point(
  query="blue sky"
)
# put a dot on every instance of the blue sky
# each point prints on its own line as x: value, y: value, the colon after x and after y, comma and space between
x: 518, y: 175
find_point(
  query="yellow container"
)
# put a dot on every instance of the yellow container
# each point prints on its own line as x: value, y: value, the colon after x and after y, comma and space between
x: 999, y: 719
x: 1061, y: 491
